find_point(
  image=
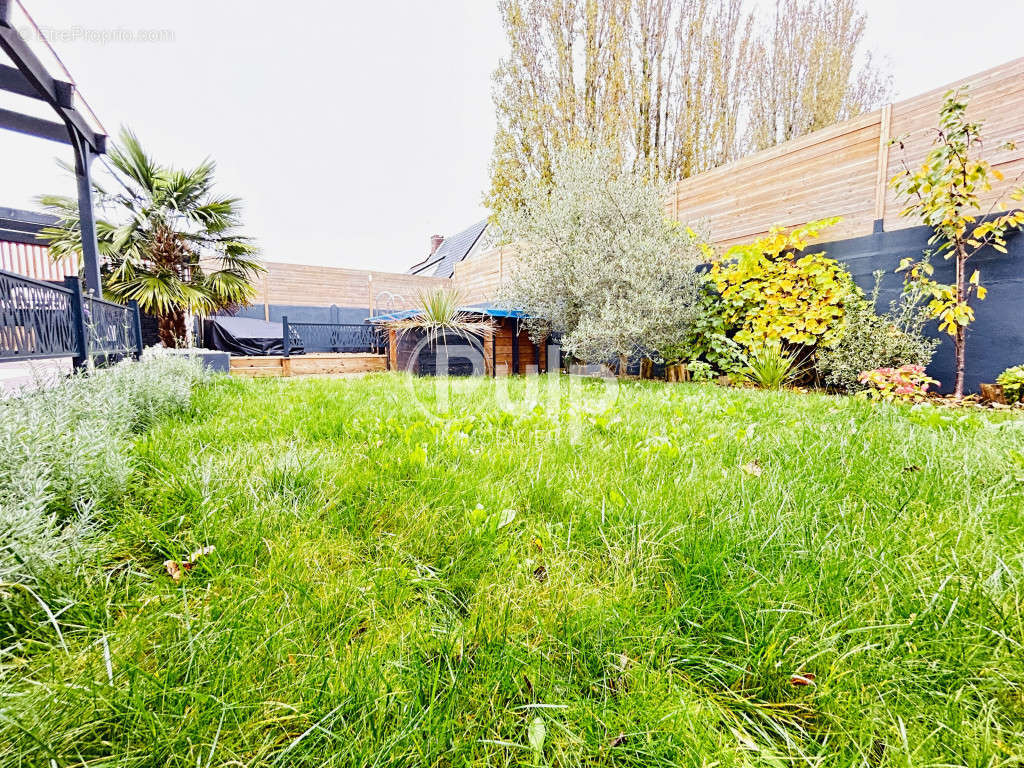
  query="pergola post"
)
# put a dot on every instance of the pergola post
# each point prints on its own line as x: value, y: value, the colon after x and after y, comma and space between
x: 87, y: 219
x: 30, y: 78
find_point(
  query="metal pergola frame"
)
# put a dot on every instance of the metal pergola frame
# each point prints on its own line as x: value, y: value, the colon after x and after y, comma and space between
x: 30, y: 77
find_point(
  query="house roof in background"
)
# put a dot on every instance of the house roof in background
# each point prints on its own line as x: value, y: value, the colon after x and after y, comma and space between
x: 453, y: 250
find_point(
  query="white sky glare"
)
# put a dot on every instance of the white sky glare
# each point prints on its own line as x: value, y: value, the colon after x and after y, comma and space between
x: 354, y: 130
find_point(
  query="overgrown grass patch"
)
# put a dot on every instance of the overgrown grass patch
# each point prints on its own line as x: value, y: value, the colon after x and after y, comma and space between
x: 647, y: 579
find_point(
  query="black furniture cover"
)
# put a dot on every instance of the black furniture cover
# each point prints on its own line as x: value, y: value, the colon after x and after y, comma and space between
x: 246, y: 336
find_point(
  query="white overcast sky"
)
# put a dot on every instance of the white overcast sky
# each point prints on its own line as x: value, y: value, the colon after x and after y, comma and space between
x: 355, y: 130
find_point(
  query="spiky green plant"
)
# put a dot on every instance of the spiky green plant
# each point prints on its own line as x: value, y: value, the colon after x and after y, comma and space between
x: 440, y: 313
x: 770, y: 367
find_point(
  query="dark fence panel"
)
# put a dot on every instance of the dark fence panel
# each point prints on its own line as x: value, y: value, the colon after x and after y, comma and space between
x: 336, y: 337
x: 110, y: 327
x: 301, y: 314
x: 36, y: 319
x: 995, y: 340
x: 41, y: 320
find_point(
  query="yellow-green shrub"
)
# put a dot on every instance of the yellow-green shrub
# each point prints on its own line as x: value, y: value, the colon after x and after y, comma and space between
x: 771, y: 294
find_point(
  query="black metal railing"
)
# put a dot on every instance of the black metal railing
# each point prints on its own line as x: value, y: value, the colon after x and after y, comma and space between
x: 331, y: 337
x: 37, y: 319
x: 41, y: 320
x: 110, y: 327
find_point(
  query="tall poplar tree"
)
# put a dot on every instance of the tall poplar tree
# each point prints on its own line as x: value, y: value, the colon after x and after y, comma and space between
x: 671, y: 87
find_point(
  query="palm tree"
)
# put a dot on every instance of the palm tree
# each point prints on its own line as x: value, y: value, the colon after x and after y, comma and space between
x: 171, y: 244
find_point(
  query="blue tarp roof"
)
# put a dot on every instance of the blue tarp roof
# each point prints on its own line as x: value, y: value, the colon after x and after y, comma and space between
x: 473, y: 310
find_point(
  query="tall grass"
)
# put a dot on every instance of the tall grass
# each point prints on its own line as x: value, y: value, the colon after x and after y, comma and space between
x: 390, y: 589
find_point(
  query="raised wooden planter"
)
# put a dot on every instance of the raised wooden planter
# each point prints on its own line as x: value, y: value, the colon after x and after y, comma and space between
x: 307, y: 365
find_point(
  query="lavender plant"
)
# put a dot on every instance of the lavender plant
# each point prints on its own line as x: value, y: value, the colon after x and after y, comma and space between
x: 66, y: 454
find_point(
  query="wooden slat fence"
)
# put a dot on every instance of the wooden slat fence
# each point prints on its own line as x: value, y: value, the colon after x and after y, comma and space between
x: 844, y: 170
x: 34, y: 261
x: 311, y: 286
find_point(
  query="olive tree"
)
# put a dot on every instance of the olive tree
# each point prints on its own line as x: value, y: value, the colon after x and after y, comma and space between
x: 598, y: 261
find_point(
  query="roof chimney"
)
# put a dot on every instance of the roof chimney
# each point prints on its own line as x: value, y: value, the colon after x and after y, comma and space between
x: 435, y: 243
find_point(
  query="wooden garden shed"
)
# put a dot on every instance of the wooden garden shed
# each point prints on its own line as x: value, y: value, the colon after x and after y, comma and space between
x: 504, y: 349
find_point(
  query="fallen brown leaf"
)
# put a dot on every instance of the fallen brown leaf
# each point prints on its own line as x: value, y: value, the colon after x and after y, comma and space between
x: 529, y: 686
x: 877, y: 752
x: 176, y: 570
x: 619, y: 685
x: 802, y: 678
x: 359, y: 631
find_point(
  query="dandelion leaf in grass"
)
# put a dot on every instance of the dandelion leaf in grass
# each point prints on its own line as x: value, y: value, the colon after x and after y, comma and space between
x: 535, y: 734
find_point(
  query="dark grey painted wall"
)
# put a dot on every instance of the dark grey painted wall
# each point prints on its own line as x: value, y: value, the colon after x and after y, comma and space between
x: 995, y: 340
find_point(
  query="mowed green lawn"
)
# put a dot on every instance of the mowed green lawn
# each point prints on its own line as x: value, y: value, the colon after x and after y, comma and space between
x: 564, y: 585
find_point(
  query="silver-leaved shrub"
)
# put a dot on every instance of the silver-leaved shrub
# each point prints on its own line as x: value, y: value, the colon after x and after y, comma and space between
x: 66, y: 454
x: 596, y: 260
x: 869, y: 340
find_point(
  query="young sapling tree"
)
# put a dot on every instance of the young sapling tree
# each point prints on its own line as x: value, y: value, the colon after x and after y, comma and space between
x: 946, y: 195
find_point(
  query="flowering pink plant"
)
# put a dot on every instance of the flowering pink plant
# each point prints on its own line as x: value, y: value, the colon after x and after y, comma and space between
x: 908, y: 384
